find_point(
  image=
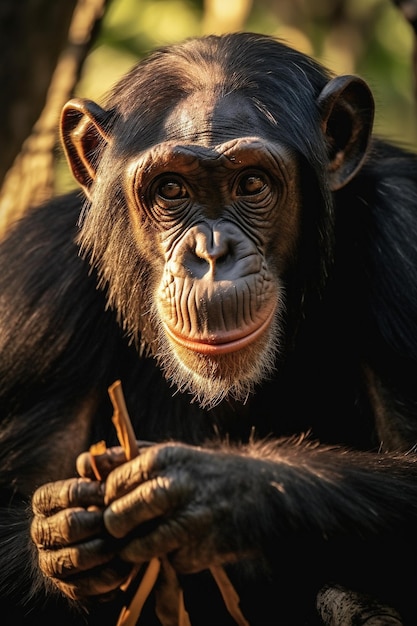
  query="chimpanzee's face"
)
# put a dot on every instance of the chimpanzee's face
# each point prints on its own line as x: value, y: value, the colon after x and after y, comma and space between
x: 223, y: 218
x: 197, y: 209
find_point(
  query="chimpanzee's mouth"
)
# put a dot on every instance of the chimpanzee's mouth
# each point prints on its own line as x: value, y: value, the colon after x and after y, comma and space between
x: 222, y: 342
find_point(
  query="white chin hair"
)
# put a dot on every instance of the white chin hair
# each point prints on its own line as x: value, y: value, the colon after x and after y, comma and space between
x: 213, y: 379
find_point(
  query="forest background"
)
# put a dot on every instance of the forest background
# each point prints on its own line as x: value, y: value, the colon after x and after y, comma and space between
x: 52, y: 50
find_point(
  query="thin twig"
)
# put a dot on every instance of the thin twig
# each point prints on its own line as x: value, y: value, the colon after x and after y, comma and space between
x: 229, y: 594
x: 129, y: 615
x: 127, y: 438
x: 121, y: 420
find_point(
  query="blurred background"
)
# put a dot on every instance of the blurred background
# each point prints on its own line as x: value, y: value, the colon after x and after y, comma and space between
x: 50, y: 51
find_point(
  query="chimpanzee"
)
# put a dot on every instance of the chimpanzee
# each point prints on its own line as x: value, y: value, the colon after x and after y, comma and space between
x: 242, y: 257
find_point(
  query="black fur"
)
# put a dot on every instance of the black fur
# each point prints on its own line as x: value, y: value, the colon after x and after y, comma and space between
x: 351, y: 516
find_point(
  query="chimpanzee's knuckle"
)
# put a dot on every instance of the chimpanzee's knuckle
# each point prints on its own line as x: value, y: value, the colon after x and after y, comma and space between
x: 38, y: 531
x: 99, y: 585
x: 42, y: 499
x: 142, y: 549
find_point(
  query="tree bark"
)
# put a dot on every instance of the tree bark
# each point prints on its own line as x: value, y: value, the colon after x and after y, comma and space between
x: 51, y: 42
x: 32, y: 35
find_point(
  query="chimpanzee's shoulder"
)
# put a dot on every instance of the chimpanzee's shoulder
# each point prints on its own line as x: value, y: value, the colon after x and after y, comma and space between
x: 49, y: 297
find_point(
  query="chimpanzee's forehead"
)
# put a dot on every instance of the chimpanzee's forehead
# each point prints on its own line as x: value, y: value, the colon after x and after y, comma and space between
x: 208, y: 119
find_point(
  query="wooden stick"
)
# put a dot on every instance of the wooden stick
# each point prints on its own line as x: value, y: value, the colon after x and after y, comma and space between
x: 229, y: 594
x: 95, y: 450
x: 121, y: 420
x: 129, y: 615
x: 127, y: 438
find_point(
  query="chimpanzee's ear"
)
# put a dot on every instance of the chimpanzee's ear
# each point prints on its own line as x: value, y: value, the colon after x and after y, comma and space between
x: 84, y: 128
x: 347, y: 110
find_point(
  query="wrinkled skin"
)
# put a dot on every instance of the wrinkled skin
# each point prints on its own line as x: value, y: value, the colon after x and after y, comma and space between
x: 187, y: 503
x: 150, y: 506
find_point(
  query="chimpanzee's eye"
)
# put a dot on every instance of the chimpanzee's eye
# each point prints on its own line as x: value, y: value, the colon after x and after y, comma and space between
x: 171, y: 189
x: 251, y: 184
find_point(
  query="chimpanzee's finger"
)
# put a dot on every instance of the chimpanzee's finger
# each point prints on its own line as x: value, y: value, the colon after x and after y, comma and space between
x: 74, y: 492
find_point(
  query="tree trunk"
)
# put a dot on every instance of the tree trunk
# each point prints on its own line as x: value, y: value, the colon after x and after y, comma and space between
x: 43, y: 46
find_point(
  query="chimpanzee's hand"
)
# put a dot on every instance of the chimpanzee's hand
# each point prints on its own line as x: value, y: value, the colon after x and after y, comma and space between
x: 183, y: 501
x: 74, y: 549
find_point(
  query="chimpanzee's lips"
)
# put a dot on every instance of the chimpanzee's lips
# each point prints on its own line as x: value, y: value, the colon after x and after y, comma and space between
x: 222, y: 343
